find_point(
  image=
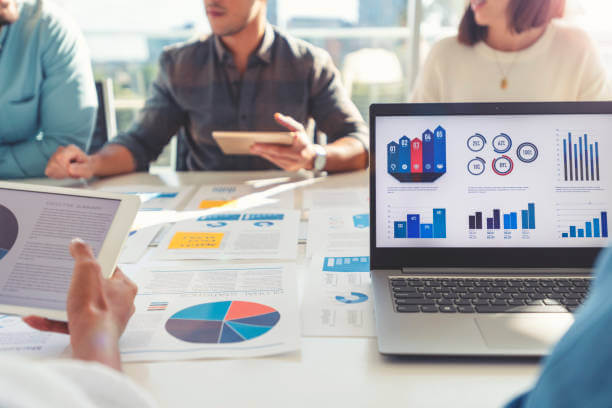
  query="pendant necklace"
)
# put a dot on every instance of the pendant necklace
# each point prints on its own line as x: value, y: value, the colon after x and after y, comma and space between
x: 504, y: 81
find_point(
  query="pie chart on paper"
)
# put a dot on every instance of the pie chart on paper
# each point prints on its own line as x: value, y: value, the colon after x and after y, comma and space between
x: 222, y: 322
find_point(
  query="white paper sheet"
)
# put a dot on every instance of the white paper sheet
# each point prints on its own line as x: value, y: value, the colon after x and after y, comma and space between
x: 137, y: 244
x: 338, y: 298
x: 334, y: 198
x: 241, y: 197
x: 18, y: 338
x: 340, y: 231
x: 192, y: 312
x: 235, y: 235
x: 155, y: 198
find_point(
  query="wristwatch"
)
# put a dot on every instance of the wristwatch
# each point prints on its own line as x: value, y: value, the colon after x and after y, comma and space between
x: 320, y: 160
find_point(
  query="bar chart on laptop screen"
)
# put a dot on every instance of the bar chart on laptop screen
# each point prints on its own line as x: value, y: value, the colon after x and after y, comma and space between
x: 498, y: 223
x: 579, y: 157
x: 416, y: 223
x: 580, y: 221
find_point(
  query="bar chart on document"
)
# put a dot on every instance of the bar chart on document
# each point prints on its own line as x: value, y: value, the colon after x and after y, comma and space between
x: 578, y: 157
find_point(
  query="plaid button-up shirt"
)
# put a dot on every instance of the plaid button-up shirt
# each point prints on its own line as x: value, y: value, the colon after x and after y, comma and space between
x: 200, y: 89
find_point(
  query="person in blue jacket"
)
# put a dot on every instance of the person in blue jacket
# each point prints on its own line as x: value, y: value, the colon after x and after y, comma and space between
x: 47, y: 90
x: 577, y: 372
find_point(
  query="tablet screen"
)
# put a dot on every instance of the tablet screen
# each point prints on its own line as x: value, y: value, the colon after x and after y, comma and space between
x: 35, y: 232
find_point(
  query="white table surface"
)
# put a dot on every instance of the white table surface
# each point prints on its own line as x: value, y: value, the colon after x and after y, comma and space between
x: 326, y: 372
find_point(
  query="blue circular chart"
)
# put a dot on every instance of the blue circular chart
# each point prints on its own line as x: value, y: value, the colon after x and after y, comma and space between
x: 8, y: 232
x: 222, y: 322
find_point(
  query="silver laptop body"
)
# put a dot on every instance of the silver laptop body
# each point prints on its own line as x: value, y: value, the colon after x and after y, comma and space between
x: 506, y: 192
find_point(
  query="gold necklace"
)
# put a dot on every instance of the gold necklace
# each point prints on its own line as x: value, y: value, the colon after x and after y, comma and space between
x: 504, y: 82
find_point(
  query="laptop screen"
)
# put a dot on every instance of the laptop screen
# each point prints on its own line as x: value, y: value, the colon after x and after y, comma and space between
x: 493, y: 181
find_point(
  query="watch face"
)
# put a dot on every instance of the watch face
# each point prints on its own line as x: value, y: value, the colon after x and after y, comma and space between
x: 320, y: 159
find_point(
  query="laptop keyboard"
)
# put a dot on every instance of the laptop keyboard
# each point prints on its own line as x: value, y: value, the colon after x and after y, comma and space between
x: 528, y: 295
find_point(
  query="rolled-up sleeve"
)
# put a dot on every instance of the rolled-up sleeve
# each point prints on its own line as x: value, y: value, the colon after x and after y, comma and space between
x: 332, y: 109
x: 158, y: 121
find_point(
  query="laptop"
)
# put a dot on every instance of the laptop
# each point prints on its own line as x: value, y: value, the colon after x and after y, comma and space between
x: 486, y: 221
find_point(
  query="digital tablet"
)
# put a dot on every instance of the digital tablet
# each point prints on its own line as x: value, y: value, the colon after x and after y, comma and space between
x: 241, y: 142
x: 37, y: 224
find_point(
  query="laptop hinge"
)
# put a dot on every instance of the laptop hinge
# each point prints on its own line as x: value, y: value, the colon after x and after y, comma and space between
x: 497, y: 271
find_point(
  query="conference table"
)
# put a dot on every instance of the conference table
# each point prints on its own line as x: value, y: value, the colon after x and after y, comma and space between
x: 326, y: 371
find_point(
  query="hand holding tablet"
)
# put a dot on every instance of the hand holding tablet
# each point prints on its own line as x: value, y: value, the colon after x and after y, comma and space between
x: 240, y: 142
x: 36, y: 266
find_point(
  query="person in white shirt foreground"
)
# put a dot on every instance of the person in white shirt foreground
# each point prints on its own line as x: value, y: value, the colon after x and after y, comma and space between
x: 575, y: 374
x: 98, y: 312
x: 513, y: 51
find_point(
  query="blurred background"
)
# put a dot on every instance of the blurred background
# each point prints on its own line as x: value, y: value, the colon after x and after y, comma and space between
x: 378, y: 45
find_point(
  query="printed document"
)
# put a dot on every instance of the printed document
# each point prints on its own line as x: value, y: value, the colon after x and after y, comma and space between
x: 236, y: 235
x: 341, y: 231
x: 155, y: 198
x: 336, y: 197
x: 240, y: 197
x: 194, y: 311
x: 16, y: 337
x: 338, y: 297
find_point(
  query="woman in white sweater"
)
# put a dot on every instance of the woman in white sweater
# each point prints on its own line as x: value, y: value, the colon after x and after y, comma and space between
x: 513, y: 50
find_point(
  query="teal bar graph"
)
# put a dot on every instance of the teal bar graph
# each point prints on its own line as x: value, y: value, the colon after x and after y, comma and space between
x: 594, y: 228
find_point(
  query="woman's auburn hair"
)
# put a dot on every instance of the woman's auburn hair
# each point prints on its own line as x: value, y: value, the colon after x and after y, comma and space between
x: 522, y: 15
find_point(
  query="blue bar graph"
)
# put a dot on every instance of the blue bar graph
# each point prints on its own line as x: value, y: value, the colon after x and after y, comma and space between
x: 594, y: 228
x: 531, y: 209
x: 399, y: 229
x: 510, y: 220
x: 439, y: 222
x: 525, y: 219
x: 347, y: 264
x: 507, y: 222
x: 427, y: 231
x: 580, y: 160
x: 414, y: 228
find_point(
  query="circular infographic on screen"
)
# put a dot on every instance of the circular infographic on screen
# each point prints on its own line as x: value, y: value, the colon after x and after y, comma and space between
x: 8, y: 232
x: 222, y: 322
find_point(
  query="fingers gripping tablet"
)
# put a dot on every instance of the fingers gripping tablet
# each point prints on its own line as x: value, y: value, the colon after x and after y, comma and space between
x: 37, y: 224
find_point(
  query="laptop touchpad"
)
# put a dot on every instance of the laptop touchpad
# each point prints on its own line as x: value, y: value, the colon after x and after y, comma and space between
x: 523, y: 331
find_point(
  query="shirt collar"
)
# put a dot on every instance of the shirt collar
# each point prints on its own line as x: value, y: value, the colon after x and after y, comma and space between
x: 264, y: 52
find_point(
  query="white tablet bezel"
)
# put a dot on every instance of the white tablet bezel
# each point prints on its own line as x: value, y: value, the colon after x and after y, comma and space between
x: 111, y: 247
x: 240, y: 142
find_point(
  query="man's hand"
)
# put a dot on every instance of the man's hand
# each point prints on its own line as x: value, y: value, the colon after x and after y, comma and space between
x: 98, y: 309
x: 300, y: 155
x: 70, y: 161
